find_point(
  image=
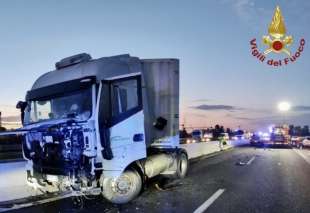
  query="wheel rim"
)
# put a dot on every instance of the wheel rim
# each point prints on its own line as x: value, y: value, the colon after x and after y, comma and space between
x: 123, y: 188
x: 122, y: 185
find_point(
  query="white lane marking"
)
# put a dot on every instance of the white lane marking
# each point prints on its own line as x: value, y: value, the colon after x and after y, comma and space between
x: 302, y: 155
x: 208, y: 202
x: 251, y: 160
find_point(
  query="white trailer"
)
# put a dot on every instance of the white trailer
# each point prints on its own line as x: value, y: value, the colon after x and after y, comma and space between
x: 103, y: 125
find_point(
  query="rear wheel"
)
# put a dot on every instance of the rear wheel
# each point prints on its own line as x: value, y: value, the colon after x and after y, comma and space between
x: 182, y: 165
x: 122, y: 189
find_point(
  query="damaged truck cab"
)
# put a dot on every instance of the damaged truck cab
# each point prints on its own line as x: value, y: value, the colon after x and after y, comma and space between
x: 103, y: 125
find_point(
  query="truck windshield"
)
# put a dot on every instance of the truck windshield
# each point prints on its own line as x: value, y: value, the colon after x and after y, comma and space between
x: 76, y: 105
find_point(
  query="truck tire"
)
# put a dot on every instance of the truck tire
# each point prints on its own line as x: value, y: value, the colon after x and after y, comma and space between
x: 122, y: 189
x: 182, y: 165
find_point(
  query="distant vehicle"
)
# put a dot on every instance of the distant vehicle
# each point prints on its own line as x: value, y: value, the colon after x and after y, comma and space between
x: 305, y: 143
x: 265, y: 137
x: 255, y: 140
x: 207, y: 136
x: 238, y: 135
x: 187, y: 140
x: 296, y: 140
x: 183, y: 136
x: 248, y: 135
x: 191, y: 140
x: 197, y: 135
x: 279, y: 136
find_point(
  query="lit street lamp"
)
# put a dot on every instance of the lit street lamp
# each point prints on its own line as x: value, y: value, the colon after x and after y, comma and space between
x: 284, y: 107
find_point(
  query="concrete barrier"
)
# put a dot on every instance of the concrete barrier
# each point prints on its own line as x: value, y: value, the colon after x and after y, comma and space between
x: 204, y: 148
x: 13, y: 181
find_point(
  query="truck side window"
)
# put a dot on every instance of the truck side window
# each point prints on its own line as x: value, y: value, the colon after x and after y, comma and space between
x: 124, y: 96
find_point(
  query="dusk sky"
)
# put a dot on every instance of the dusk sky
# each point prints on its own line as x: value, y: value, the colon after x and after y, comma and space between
x: 221, y: 82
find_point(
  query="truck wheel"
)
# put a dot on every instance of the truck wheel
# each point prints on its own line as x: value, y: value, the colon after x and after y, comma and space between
x: 182, y: 165
x: 122, y: 189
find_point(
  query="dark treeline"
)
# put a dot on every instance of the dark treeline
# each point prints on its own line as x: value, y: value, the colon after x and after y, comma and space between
x: 216, y: 131
x: 299, y: 131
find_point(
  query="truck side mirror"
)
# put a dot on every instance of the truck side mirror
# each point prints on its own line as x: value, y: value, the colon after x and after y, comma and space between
x: 21, y: 105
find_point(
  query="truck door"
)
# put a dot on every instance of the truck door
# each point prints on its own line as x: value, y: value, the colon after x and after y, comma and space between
x: 121, y: 122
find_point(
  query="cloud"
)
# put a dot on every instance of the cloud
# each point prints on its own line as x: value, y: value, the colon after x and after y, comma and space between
x: 199, y: 115
x: 244, y: 118
x: 258, y: 14
x: 251, y: 12
x: 216, y: 107
x: 202, y: 100
x: 244, y: 8
x: 301, y: 108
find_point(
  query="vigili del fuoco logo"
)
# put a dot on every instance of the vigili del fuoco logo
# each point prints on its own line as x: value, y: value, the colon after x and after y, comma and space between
x: 278, y: 42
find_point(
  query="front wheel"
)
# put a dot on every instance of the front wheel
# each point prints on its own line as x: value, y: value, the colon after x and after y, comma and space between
x: 122, y: 189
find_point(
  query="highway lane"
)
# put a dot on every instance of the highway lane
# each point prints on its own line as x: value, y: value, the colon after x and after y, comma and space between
x: 244, y: 179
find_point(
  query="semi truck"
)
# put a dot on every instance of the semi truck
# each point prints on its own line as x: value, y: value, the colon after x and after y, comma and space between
x: 103, y: 126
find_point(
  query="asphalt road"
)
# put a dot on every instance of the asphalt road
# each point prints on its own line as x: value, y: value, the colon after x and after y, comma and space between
x: 244, y: 179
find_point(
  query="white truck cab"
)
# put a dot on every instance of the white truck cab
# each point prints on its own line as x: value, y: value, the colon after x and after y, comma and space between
x: 106, y: 125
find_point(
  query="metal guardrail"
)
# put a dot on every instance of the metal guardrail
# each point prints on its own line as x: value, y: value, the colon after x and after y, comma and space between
x: 11, y: 147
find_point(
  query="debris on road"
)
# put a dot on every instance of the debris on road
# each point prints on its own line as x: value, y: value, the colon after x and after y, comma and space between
x: 165, y: 185
x: 240, y: 163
